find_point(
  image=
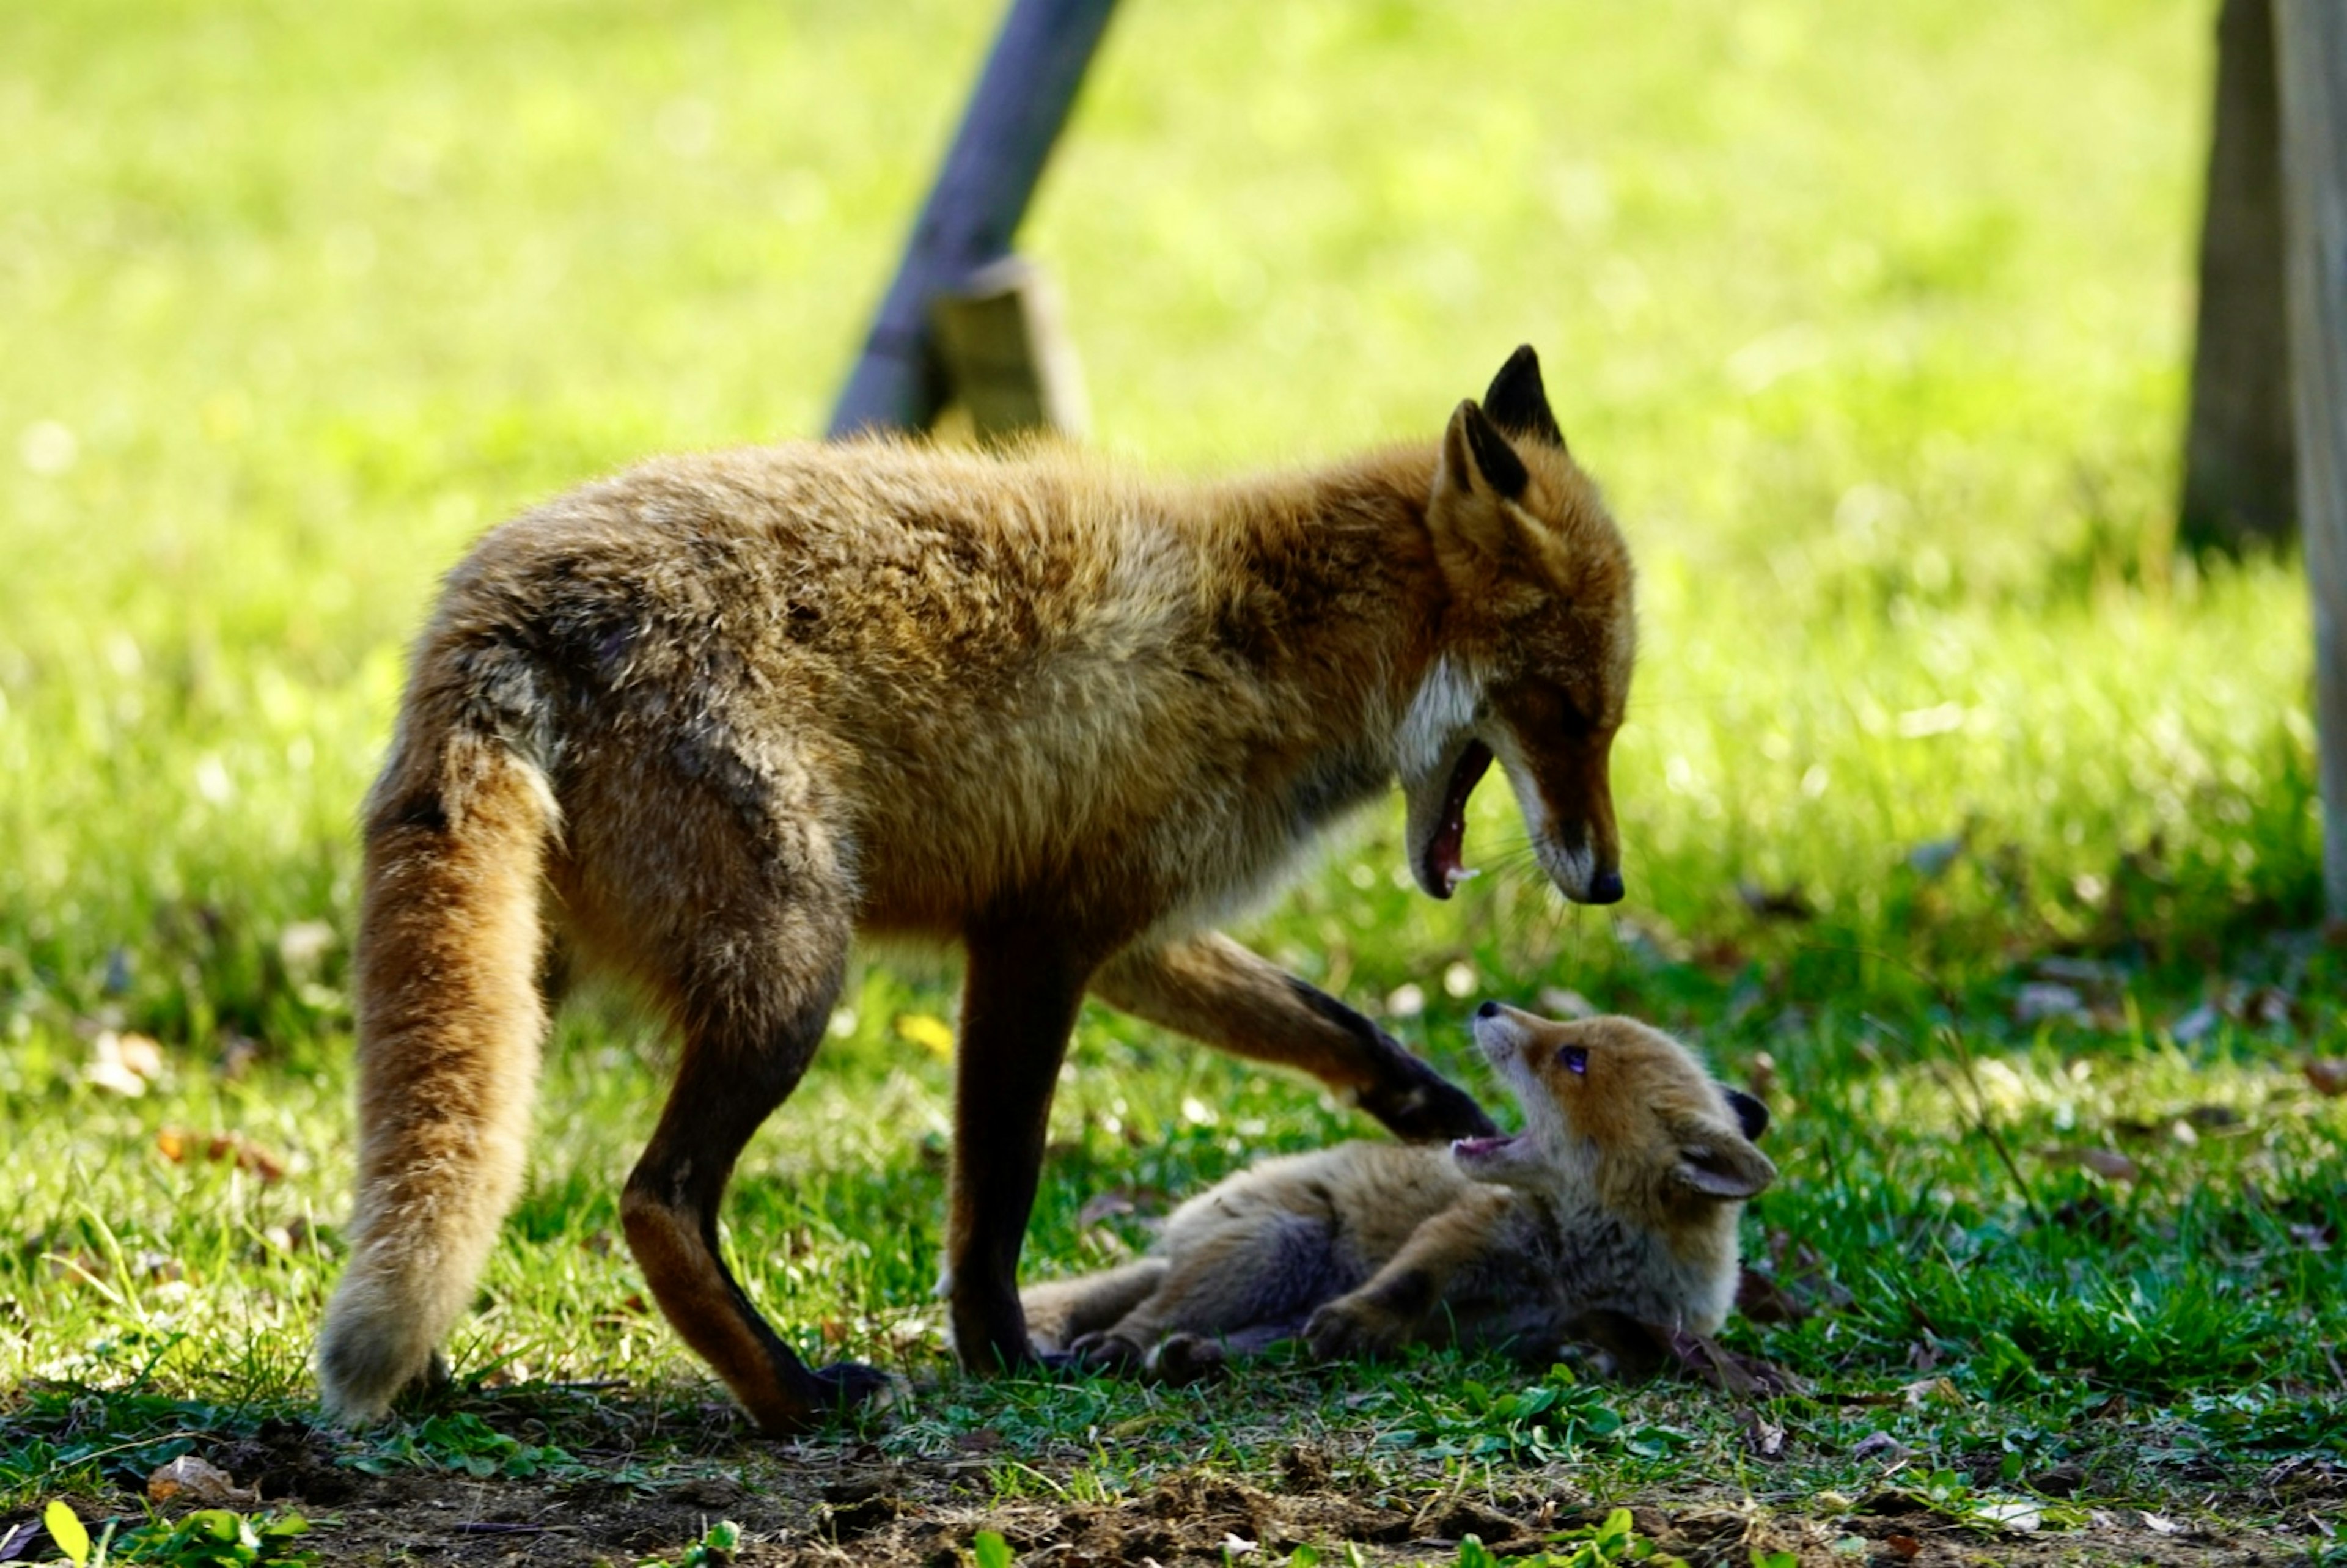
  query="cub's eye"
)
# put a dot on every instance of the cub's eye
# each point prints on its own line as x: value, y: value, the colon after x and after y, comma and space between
x: 1574, y: 1059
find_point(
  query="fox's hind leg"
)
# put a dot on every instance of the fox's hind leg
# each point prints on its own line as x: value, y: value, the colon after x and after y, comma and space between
x: 1211, y: 989
x: 742, y: 929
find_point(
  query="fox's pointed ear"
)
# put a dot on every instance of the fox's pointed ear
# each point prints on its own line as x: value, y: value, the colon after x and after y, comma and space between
x: 1518, y: 403
x: 1751, y: 1111
x: 1477, y: 473
x: 1717, y: 1162
x: 1475, y: 454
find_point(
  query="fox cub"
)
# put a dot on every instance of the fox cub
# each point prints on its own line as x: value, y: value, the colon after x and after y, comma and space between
x: 726, y: 714
x: 1621, y: 1196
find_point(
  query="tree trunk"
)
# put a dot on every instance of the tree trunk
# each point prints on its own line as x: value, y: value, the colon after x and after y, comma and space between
x: 2313, y: 53
x: 2240, y: 482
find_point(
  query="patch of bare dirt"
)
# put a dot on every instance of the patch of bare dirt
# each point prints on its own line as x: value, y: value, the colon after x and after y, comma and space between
x: 812, y: 1505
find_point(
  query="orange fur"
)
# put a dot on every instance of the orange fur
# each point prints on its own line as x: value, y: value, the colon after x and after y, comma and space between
x: 1621, y: 1198
x: 738, y: 708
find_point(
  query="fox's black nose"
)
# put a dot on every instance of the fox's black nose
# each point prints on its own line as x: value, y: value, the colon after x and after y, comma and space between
x: 1489, y: 1010
x: 1606, y: 887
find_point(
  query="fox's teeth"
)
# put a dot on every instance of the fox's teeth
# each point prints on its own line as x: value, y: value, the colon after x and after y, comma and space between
x: 1459, y: 874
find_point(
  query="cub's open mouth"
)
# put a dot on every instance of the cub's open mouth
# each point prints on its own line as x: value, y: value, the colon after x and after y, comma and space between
x: 1478, y: 1148
x: 1441, y: 871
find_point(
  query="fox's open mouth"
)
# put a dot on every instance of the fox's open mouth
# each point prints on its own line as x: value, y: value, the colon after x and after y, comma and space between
x: 1442, y: 869
x: 1478, y: 1148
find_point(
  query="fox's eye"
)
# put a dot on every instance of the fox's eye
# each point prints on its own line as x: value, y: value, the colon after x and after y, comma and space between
x: 1574, y: 1059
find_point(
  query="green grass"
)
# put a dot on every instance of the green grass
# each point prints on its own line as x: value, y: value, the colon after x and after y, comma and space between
x: 1874, y: 320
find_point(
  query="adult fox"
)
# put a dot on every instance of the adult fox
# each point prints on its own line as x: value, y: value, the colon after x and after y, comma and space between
x: 1619, y: 1200
x: 733, y: 709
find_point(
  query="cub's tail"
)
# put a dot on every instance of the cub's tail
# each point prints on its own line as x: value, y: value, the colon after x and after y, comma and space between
x: 449, y: 1023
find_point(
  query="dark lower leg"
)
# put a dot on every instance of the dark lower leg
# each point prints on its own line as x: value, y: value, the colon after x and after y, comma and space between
x: 1018, y: 1003
x: 669, y: 1212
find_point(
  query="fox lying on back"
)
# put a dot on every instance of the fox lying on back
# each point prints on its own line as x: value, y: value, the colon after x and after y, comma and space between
x: 1621, y: 1196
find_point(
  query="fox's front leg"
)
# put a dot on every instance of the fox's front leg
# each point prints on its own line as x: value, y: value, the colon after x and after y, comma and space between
x: 1020, y: 998
x: 1391, y: 1306
x: 1213, y: 989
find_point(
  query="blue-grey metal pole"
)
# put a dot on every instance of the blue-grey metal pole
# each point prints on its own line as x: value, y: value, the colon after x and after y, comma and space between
x: 1022, y: 100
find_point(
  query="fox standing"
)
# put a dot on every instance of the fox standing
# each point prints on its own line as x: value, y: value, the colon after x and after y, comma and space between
x: 1620, y: 1196
x: 729, y: 710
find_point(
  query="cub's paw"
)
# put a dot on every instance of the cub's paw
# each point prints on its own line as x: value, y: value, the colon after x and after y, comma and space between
x: 1107, y: 1352
x: 1188, y: 1358
x: 1346, y: 1330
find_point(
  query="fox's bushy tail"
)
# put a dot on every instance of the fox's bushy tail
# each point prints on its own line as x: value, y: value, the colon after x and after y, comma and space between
x: 449, y: 1025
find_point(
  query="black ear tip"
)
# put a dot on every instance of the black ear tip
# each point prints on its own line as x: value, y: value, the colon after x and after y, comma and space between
x: 1493, y: 458
x: 1752, y: 1115
x: 1518, y: 402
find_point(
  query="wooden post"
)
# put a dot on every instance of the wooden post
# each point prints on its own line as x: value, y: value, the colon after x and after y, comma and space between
x: 1022, y: 101
x: 2240, y: 476
x: 1007, y: 358
x: 2312, y: 44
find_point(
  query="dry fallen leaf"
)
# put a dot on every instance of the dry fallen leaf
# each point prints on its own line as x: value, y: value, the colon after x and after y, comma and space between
x: 123, y: 1064
x: 1903, y: 1545
x: 179, y: 1145
x: 2327, y: 1074
x: 1934, y: 1390
x: 2018, y: 1515
x: 1880, y: 1445
x: 196, y: 1481
x: 2107, y: 1163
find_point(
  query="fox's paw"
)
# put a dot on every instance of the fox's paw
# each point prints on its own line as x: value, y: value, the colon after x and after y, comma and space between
x: 853, y: 1386
x: 1346, y: 1330
x: 1422, y: 1106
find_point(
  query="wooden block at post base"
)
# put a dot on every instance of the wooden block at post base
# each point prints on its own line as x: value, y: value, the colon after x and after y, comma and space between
x: 1007, y: 358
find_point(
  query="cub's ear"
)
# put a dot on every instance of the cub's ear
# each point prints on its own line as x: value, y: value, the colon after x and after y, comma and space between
x: 1518, y: 403
x: 1715, y: 1160
x: 1749, y: 1111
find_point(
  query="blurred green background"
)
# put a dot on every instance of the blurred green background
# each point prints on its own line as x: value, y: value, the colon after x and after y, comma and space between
x: 1873, y: 319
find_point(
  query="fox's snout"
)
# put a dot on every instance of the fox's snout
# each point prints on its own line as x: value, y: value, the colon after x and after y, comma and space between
x: 1500, y: 1031
x: 1578, y: 844
x: 1581, y: 876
